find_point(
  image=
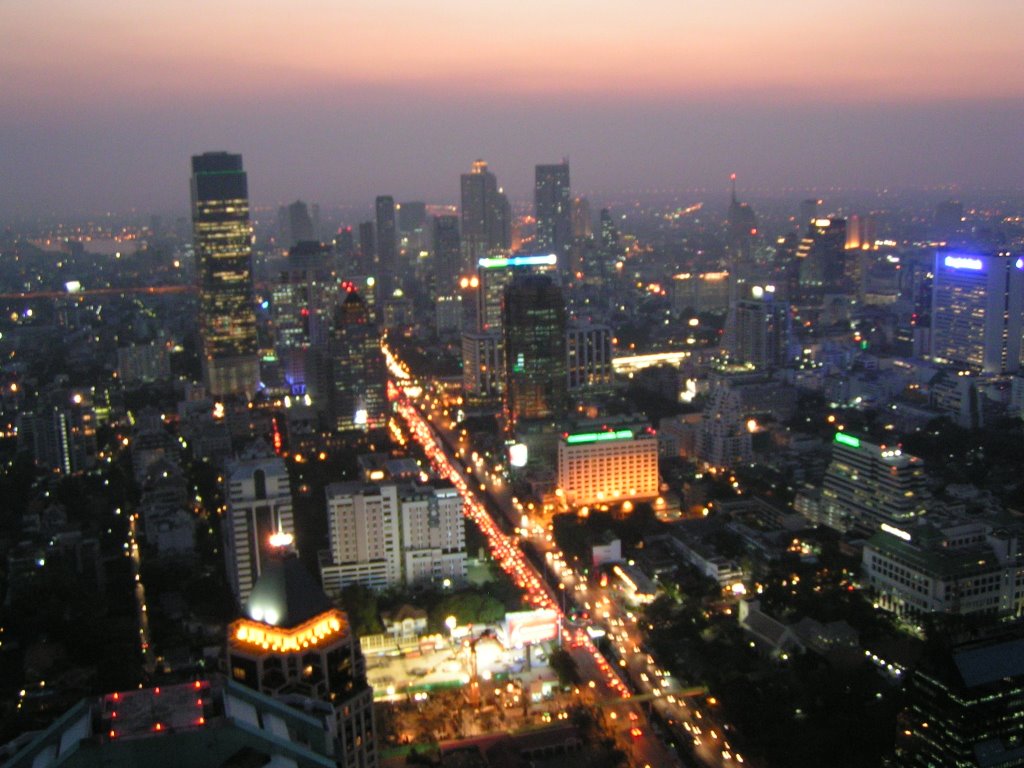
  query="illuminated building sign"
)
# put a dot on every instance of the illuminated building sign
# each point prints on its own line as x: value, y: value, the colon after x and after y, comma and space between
x: 963, y: 262
x: 844, y: 439
x: 257, y: 636
x: 897, y: 532
x: 597, y: 437
x: 524, y: 627
x: 547, y: 260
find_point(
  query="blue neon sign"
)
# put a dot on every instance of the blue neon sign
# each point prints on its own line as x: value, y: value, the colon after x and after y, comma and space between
x: 963, y: 262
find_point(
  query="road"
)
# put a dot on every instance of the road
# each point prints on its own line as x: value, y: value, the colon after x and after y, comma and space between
x: 691, y: 718
x: 603, y: 680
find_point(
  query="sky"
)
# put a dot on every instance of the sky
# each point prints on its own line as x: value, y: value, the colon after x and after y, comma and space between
x: 103, y: 101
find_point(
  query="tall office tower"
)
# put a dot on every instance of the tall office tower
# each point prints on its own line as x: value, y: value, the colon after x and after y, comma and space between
x: 300, y: 225
x: 393, y: 534
x: 534, y: 334
x: 303, y: 298
x: 588, y: 352
x: 345, y: 247
x: 741, y: 223
x: 868, y: 485
x: 447, y: 256
x: 483, y: 367
x: 759, y: 329
x: 387, y: 248
x: 553, y: 211
x: 486, y: 216
x: 494, y: 274
x: 358, y: 373
x: 808, y: 213
x: 821, y: 262
x: 978, y: 311
x: 609, y: 232
x: 963, y: 705
x: 582, y: 225
x: 411, y: 219
x: 259, y: 505
x: 367, y: 249
x: 222, y: 237
x: 293, y: 644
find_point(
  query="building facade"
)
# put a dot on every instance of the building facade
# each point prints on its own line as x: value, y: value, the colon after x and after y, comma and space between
x: 393, y: 534
x: 978, y: 311
x: 222, y: 237
x: 608, y: 467
x: 258, y: 495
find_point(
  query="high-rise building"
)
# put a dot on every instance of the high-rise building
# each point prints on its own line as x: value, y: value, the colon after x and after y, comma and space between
x: 553, y: 211
x: 259, y: 505
x: 495, y: 274
x: 741, y: 223
x: 588, y: 350
x: 534, y: 323
x: 608, y: 467
x: 978, y: 311
x: 367, y: 250
x: 963, y: 706
x: 447, y: 255
x: 486, y: 216
x: 300, y: 225
x: 758, y: 329
x: 724, y: 441
x: 868, y: 485
x: 222, y: 236
x: 821, y: 262
x: 483, y: 368
x: 387, y: 248
x: 302, y: 302
x: 295, y: 646
x: 393, y: 534
x: 358, y: 374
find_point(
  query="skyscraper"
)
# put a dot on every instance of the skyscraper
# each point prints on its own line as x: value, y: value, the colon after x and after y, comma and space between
x: 978, y: 311
x: 758, y: 329
x: 302, y: 298
x: 387, y: 248
x: 222, y: 236
x: 535, y: 358
x: 553, y: 210
x: 821, y: 262
x: 357, y: 397
x: 486, y: 216
x: 447, y: 255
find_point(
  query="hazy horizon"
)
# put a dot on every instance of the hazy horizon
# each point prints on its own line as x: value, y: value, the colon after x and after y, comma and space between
x: 105, y: 101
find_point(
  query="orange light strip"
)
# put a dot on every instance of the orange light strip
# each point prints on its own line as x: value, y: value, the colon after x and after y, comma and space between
x: 259, y: 636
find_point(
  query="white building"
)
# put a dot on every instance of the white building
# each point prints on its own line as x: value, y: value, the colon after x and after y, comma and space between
x: 608, y: 467
x: 259, y: 505
x: 867, y: 485
x: 957, y: 567
x: 393, y: 534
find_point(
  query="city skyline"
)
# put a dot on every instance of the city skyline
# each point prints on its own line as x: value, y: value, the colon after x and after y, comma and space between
x: 668, y: 97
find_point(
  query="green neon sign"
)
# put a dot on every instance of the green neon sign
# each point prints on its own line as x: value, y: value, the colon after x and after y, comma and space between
x: 597, y: 437
x: 844, y: 439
